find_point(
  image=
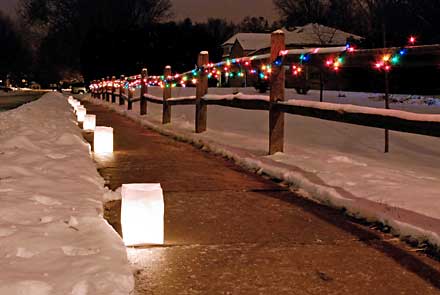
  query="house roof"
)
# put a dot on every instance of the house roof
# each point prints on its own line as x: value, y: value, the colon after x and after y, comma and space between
x: 318, y: 35
x: 308, y: 35
x: 249, y: 41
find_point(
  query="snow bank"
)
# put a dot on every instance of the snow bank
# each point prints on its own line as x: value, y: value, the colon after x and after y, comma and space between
x: 53, y: 238
x: 338, y: 164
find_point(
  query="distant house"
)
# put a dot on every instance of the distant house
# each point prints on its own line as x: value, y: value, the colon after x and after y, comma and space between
x: 242, y: 44
x: 311, y: 35
x: 35, y: 86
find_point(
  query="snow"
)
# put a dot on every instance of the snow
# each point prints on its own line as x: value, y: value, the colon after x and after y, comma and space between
x: 337, y: 164
x: 318, y: 34
x: 250, y: 41
x: 348, y: 108
x: 160, y: 99
x: 324, y: 50
x: 53, y: 238
x: 236, y: 96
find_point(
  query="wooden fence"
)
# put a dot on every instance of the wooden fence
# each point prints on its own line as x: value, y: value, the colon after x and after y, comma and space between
x: 275, y: 104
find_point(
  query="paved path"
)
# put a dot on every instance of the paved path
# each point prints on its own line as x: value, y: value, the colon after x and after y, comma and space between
x: 232, y: 232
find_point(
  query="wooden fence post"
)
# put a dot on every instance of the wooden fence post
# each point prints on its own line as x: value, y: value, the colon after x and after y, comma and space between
x: 144, y: 90
x: 130, y: 97
x: 98, y: 90
x: 166, y: 112
x: 321, y: 85
x: 107, y: 89
x: 121, y: 90
x: 113, y: 89
x: 103, y: 90
x: 277, y: 84
x: 202, y: 90
x: 387, y: 106
x: 102, y: 95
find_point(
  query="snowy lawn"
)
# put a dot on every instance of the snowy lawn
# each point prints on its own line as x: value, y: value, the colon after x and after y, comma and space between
x: 11, y: 100
x: 53, y: 238
x: 334, y: 163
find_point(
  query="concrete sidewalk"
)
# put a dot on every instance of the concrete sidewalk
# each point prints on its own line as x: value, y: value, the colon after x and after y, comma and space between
x: 228, y: 231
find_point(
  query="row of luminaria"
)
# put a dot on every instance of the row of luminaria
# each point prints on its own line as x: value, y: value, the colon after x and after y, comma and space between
x: 102, y: 136
x: 142, y: 209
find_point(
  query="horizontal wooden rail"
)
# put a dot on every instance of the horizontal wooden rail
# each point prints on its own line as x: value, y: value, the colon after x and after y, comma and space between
x: 182, y: 101
x: 386, y: 120
x: 134, y: 99
x: 154, y: 100
x: 247, y: 104
x: 172, y: 101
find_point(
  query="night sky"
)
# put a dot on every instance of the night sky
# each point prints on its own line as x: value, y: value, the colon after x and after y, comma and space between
x: 199, y: 10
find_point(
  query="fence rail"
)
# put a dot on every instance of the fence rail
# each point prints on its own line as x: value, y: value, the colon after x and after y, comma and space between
x: 275, y: 104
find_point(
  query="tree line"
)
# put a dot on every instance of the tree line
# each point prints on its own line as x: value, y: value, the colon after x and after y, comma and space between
x: 379, y: 21
x: 53, y: 40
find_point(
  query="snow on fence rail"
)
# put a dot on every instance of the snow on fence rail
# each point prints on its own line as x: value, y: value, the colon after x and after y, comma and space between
x: 275, y: 103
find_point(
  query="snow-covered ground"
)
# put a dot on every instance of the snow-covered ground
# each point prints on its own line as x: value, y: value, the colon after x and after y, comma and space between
x: 53, y: 238
x: 11, y: 100
x: 338, y: 164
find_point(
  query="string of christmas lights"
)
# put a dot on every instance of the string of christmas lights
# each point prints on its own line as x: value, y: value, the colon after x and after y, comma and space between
x: 256, y: 66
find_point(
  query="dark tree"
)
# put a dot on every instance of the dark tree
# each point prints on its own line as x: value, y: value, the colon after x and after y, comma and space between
x: 86, y: 35
x: 254, y: 25
x: 382, y: 22
x: 15, y: 56
x: 178, y: 44
x: 344, y: 15
x: 425, y: 19
x: 301, y: 12
x: 379, y: 17
x: 393, y: 21
x: 109, y: 14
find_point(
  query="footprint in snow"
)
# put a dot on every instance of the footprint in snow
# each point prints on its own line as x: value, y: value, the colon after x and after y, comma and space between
x: 25, y: 253
x: 46, y: 219
x: 73, y: 251
x: 6, y: 232
x: 45, y: 200
x: 345, y: 160
x: 56, y: 156
x: 73, y: 222
x: 80, y: 288
x: 26, y: 287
